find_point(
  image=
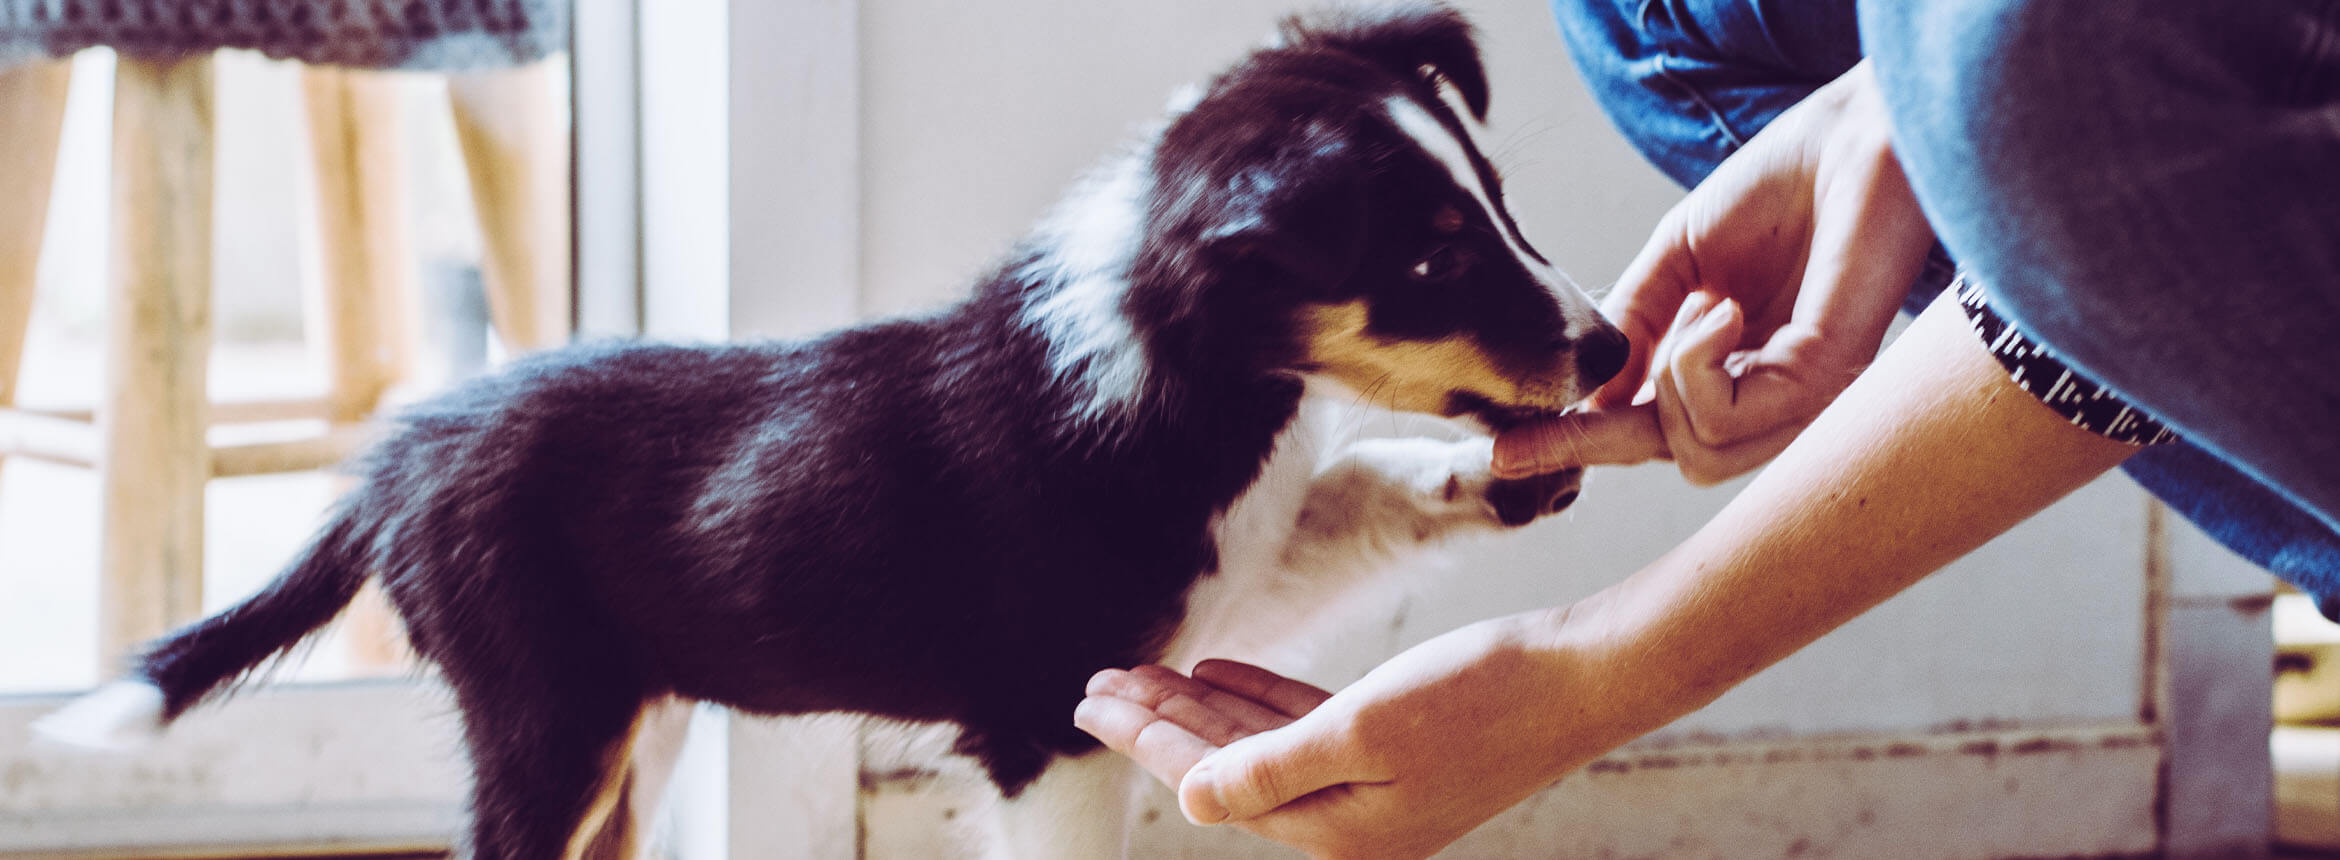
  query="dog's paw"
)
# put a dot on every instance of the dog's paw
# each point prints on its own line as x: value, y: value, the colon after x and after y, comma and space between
x: 1519, y: 501
x: 1509, y: 502
x: 1384, y: 496
x: 1455, y: 483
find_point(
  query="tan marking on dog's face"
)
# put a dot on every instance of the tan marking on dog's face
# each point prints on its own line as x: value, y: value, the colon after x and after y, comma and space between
x: 1405, y: 375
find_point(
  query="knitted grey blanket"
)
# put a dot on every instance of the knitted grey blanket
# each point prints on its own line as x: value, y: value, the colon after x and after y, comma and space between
x: 442, y: 35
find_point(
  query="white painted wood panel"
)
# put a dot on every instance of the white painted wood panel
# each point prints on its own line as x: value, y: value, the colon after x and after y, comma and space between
x: 1968, y: 795
x: 360, y: 766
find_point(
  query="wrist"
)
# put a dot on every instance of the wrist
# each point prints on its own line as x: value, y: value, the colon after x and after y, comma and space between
x: 1598, y: 657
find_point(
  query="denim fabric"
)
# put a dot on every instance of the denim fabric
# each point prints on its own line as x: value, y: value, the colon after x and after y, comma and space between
x: 1688, y: 81
x: 2152, y: 189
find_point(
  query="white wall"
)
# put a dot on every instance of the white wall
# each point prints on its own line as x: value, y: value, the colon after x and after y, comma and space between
x: 975, y: 116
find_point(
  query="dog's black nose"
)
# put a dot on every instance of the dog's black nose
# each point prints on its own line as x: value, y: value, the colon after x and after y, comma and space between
x: 1600, y: 354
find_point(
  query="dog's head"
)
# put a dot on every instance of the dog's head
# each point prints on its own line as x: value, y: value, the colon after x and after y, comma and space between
x: 1322, y: 210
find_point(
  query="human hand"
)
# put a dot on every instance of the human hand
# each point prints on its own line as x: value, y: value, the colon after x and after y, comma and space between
x: 1756, y: 301
x: 1400, y: 764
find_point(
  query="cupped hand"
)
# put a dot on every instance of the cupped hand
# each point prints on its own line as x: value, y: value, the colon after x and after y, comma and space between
x: 1756, y: 301
x: 1398, y: 765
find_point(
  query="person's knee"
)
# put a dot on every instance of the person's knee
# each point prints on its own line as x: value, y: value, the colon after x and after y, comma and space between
x: 1972, y: 86
x: 1687, y: 83
x: 1618, y: 62
x: 1994, y: 116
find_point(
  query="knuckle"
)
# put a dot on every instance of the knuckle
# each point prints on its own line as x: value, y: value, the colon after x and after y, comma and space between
x: 1353, y: 845
x: 1704, y: 437
x: 1705, y: 430
x: 1724, y: 426
x: 1705, y: 470
x: 1254, y: 784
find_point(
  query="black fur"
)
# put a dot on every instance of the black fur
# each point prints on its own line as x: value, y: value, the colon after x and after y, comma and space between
x: 912, y: 518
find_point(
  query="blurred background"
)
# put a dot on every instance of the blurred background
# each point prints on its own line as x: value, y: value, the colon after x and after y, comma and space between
x: 2096, y: 683
x: 265, y: 261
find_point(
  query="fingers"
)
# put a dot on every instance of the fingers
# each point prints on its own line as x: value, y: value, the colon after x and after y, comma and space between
x: 1159, y: 745
x: 1171, y: 724
x: 1720, y: 407
x: 1294, y: 698
x: 1715, y: 420
x: 1720, y: 421
x: 1705, y: 465
x: 1256, y: 775
x: 1213, y: 713
x: 1619, y: 436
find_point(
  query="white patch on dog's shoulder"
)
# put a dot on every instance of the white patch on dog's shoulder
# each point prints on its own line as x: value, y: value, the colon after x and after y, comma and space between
x: 1441, y: 143
x: 1086, y: 247
x: 1184, y: 99
x: 120, y: 716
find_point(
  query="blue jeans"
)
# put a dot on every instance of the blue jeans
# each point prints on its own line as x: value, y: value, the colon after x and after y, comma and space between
x: 2152, y: 189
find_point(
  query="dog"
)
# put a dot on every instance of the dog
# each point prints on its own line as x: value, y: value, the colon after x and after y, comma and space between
x: 1098, y: 459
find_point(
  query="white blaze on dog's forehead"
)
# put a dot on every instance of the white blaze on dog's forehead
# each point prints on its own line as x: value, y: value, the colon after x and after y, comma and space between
x: 1441, y: 143
x: 1086, y: 247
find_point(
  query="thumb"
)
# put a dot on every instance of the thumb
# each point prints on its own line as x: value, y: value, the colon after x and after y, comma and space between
x: 1661, y: 278
x: 1253, y: 776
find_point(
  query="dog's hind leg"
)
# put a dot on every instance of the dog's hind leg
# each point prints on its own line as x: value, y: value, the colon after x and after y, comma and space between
x: 550, y: 765
x: 625, y: 833
x: 1077, y: 810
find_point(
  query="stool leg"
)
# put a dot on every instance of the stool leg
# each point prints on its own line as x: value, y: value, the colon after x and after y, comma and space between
x: 360, y: 310
x: 360, y: 164
x: 32, y: 115
x: 518, y: 155
x: 154, y: 459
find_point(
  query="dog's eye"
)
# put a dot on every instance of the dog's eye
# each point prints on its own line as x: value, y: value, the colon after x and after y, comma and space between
x: 1444, y: 264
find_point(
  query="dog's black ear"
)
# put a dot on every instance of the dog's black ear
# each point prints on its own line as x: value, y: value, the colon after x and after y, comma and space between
x: 1412, y: 39
x: 1247, y: 230
x: 1306, y: 223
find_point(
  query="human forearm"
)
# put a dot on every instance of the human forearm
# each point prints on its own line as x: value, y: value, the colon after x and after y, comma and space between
x: 1930, y: 454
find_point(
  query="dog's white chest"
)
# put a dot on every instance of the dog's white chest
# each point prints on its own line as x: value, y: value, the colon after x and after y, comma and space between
x: 1318, y: 540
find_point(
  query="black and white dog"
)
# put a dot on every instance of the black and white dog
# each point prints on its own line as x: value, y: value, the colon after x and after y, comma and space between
x: 959, y: 518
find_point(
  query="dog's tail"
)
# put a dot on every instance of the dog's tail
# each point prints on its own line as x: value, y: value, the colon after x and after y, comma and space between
x: 179, y: 671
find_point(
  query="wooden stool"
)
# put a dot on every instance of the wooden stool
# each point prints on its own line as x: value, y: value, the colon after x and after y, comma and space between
x: 148, y: 434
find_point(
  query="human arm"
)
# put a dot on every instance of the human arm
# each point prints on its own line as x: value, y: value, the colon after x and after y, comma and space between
x: 1930, y: 453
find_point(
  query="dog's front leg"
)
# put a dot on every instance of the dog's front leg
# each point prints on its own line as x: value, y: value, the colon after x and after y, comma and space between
x: 1384, y: 496
x: 1352, y: 523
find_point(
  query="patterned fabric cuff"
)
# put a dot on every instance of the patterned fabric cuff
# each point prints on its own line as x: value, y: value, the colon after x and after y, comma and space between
x: 2039, y: 372
x: 438, y: 35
